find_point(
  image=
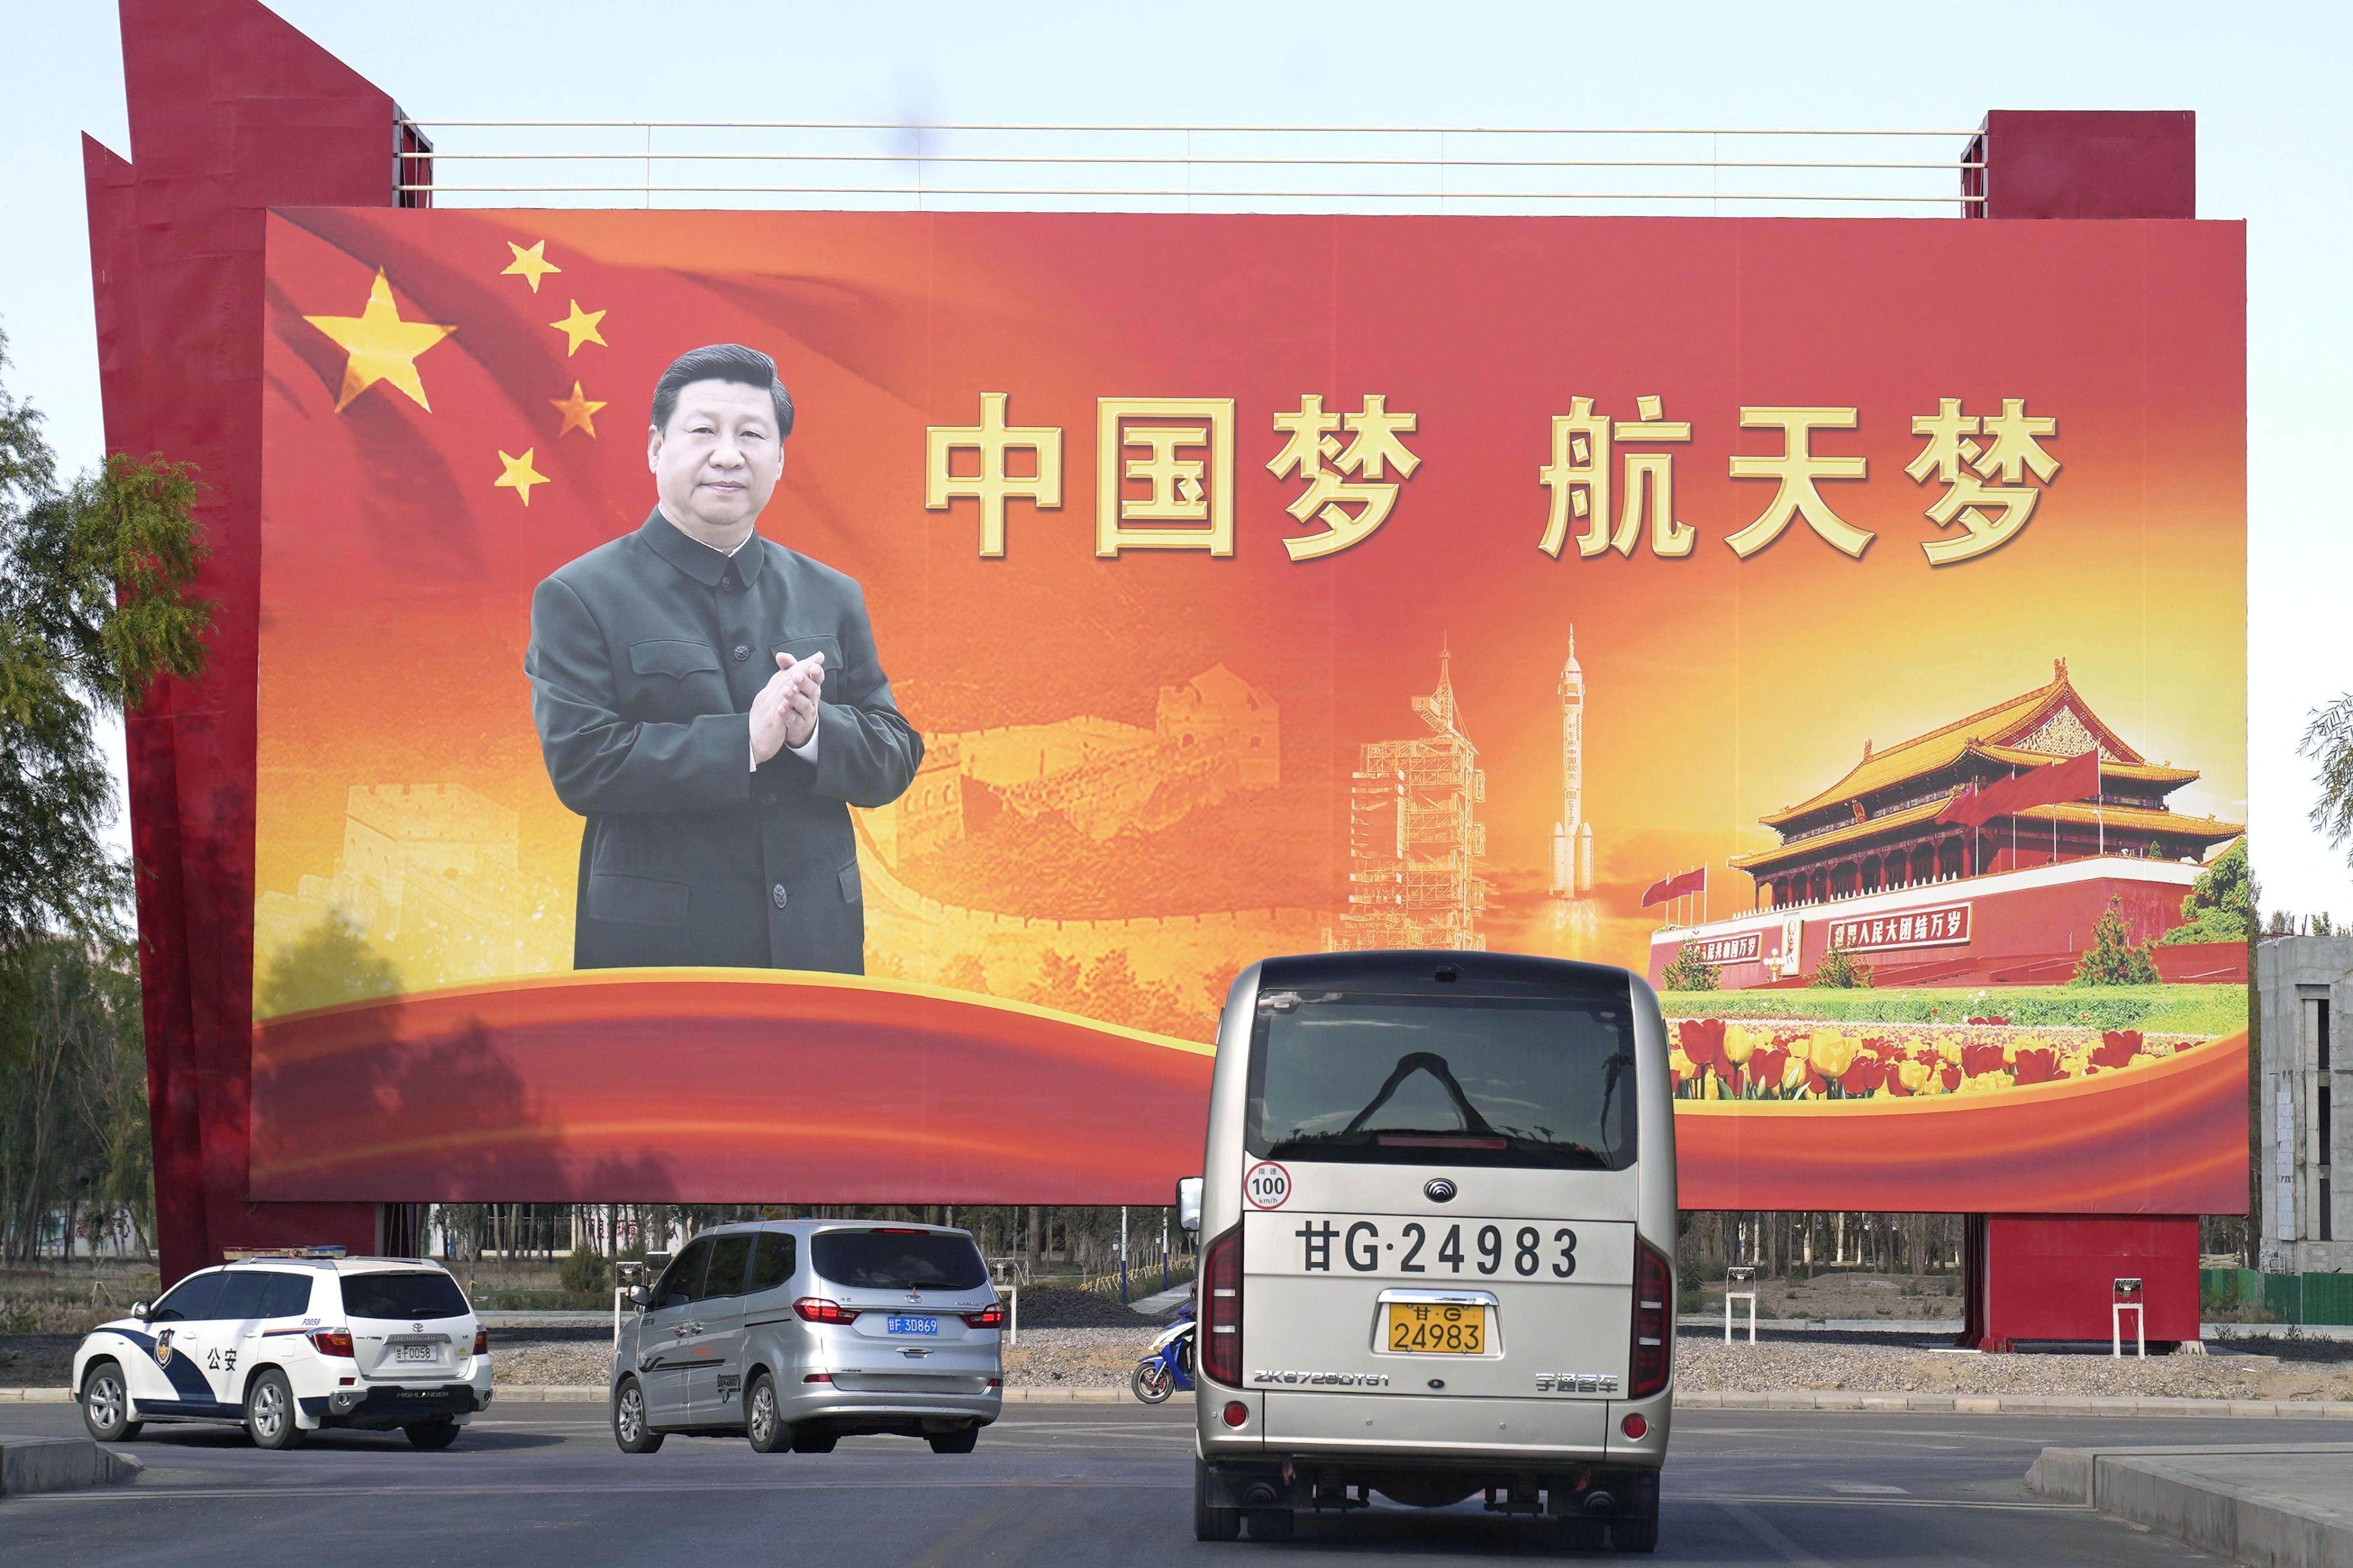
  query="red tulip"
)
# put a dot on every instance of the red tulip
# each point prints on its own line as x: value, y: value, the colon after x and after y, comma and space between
x: 1977, y: 1060
x: 2037, y: 1064
x: 1702, y: 1039
x: 1952, y: 1076
x: 1864, y: 1076
x: 2116, y: 1049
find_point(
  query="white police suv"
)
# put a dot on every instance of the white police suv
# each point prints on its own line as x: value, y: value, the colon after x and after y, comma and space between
x: 287, y: 1343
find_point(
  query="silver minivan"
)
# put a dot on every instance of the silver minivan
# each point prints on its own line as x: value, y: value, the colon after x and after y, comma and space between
x: 795, y: 1334
x: 1439, y: 1212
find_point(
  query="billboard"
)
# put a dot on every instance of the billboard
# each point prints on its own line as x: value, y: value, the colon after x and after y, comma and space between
x: 1841, y: 621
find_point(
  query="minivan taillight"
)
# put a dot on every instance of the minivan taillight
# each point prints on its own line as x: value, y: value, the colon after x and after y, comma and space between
x: 332, y: 1341
x: 1221, y: 1308
x: 990, y: 1317
x: 1654, y: 1321
x: 817, y: 1310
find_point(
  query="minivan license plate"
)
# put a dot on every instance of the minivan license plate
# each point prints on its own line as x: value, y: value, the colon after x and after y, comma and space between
x: 899, y: 1325
x: 1434, y: 1328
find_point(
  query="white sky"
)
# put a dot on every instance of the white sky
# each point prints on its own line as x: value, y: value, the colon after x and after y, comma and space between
x: 2266, y: 81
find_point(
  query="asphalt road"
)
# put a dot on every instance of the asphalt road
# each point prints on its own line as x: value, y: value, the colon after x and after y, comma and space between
x: 1049, y: 1483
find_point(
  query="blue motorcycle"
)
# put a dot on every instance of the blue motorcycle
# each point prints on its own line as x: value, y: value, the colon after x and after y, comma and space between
x: 1167, y: 1366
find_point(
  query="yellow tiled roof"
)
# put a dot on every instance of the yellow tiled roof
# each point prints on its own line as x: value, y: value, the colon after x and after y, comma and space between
x: 1805, y: 848
x: 2134, y: 819
x: 2139, y: 772
x: 2120, y: 819
x: 1942, y: 747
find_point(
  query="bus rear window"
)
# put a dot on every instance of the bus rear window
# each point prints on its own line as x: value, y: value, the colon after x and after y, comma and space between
x: 1458, y: 1080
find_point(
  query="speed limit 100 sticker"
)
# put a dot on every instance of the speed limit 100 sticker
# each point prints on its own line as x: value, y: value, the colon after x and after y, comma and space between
x: 1268, y: 1185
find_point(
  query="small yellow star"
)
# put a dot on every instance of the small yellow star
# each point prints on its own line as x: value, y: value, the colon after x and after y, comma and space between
x: 530, y: 265
x: 579, y: 413
x: 382, y: 347
x: 519, y: 475
x: 580, y: 326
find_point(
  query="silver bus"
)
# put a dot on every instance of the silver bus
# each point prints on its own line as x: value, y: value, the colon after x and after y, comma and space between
x: 1438, y: 1212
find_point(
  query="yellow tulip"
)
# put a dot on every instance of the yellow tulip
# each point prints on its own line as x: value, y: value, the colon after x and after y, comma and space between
x: 1793, y: 1074
x: 1801, y: 1048
x: 1948, y: 1047
x: 1739, y: 1045
x: 1678, y: 1063
x: 1832, y: 1054
x: 1915, y: 1077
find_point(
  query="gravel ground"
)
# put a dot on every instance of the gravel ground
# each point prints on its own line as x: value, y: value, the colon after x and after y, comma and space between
x: 1101, y: 1358
x: 1705, y: 1363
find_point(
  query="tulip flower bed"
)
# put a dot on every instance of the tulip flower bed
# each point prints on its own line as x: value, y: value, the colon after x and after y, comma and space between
x: 1769, y: 1060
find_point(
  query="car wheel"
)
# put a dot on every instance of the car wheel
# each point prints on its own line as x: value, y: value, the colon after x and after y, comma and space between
x: 1211, y: 1523
x: 811, y: 1440
x: 106, y: 1404
x: 630, y: 1429
x: 434, y: 1434
x: 762, y: 1425
x: 269, y: 1412
x: 1639, y: 1532
x: 960, y: 1441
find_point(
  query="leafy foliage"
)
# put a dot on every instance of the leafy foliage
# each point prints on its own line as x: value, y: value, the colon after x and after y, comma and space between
x: 2160, y: 1009
x: 2112, y: 959
x: 96, y: 604
x: 1840, y: 971
x: 73, y: 1113
x: 1690, y: 972
x: 2220, y: 906
x: 2328, y: 741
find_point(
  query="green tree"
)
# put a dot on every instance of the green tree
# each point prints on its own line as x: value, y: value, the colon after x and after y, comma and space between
x: 1840, y: 971
x: 2328, y: 741
x: 2222, y: 903
x: 73, y: 1115
x: 1690, y: 972
x: 96, y: 603
x: 2112, y: 960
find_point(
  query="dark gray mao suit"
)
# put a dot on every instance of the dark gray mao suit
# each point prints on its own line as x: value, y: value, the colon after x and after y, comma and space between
x: 645, y: 656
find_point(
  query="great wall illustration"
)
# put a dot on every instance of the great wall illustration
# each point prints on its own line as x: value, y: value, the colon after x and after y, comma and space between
x: 431, y: 878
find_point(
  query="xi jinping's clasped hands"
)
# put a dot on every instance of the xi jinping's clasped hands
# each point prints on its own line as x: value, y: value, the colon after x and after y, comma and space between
x: 784, y: 715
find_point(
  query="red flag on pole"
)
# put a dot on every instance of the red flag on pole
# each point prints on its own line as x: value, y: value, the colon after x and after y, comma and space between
x: 1676, y: 886
x: 2074, y: 779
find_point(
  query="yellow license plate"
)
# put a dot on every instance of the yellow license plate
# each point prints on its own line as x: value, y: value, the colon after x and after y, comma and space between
x: 1433, y: 1328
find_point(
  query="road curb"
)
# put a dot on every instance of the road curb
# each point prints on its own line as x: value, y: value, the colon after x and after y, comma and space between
x: 2163, y: 1489
x: 2013, y: 1404
x: 59, y: 1464
x: 1731, y: 1399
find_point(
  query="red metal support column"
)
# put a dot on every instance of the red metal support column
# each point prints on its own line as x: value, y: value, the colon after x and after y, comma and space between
x: 232, y: 112
x: 2054, y: 1277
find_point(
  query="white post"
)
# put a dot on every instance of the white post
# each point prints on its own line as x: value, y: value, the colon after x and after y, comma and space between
x: 1013, y: 1314
x: 2116, y: 1331
x: 616, y: 1317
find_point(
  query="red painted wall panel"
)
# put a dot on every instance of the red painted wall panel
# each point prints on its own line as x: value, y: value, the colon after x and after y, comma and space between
x: 2049, y: 1277
x: 231, y: 112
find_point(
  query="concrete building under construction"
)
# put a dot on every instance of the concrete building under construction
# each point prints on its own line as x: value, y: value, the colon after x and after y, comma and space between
x: 1415, y: 836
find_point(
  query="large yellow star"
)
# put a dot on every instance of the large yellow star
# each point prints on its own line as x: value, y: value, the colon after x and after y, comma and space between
x: 580, y: 326
x: 531, y: 265
x: 519, y: 475
x: 579, y: 413
x: 382, y: 346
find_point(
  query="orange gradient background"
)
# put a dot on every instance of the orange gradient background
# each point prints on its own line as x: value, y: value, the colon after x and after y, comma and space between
x: 397, y: 577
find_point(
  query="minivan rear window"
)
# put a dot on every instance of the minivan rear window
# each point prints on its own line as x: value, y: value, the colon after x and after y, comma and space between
x: 416, y: 1295
x: 897, y: 1260
x: 1455, y: 1080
